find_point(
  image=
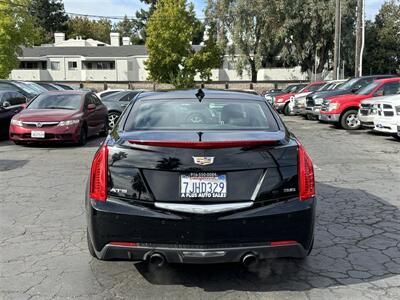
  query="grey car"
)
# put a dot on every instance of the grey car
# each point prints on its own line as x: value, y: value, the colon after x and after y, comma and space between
x: 116, y: 104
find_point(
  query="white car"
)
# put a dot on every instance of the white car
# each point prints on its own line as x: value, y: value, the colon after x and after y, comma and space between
x: 387, y: 115
x: 109, y: 92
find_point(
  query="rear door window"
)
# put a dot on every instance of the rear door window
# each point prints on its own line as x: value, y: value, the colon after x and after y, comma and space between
x: 189, y: 114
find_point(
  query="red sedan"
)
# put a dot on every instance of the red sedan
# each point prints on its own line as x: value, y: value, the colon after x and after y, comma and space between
x: 70, y: 116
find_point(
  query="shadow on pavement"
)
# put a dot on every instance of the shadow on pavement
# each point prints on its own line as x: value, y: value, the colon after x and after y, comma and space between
x: 357, y: 240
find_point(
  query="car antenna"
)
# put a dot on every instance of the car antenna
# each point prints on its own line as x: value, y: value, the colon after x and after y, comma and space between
x: 200, y: 95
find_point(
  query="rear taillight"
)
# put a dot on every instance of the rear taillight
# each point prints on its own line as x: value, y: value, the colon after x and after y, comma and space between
x: 98, y: 175
x: 306, y: 174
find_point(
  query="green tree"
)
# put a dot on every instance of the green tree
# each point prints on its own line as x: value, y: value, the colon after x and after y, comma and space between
x: 382, y: 44
x: 86, y: 28
x: 143, y: 16
x: 129, y: 28
x: 254, y: 27
x: 50, y: 15
x: 172, y: 59
x: 17, y: 28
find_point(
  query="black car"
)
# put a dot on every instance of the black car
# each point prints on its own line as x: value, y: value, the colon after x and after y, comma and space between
x: 116, y: 103
x: 200, y: 176
x: 49, y: 86
x: 11, y: 103
x: 18, y: 86
x: 293, y: 88
x: 314, y: 100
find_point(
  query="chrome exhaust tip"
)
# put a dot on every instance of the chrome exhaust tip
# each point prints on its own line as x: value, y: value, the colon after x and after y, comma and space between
x: 157, y: 260
x: 249, y: 260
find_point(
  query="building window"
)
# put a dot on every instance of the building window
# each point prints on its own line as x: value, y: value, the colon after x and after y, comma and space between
x: 55, y: 65
x: 72, y: 65
x: 89, y: 66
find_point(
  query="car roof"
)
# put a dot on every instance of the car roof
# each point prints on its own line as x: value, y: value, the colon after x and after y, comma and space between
x: 394, y: 79
x: 208, y: 94
x: 67, y: 92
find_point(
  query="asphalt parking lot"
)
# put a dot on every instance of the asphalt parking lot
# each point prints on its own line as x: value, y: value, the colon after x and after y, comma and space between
x: 356, y: 255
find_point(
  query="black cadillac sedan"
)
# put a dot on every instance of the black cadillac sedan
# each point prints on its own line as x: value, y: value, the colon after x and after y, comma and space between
x: 200, y: 176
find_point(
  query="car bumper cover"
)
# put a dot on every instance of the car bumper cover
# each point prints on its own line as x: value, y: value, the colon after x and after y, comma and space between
x: 329, y: 117
x: 191, y: 238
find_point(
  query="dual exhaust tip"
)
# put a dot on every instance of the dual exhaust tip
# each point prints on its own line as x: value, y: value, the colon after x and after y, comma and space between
x: 158, y: 260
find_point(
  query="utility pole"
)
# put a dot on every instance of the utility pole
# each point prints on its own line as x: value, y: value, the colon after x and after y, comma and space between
x: 336, y: 58
x: 359, y: 38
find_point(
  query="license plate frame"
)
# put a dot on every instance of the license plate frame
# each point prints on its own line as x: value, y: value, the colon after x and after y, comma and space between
x: 207, y: 185
x: 36, y: 134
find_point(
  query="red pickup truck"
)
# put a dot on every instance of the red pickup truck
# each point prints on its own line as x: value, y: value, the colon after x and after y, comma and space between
x: 343, y: 109
x: 281, y: 102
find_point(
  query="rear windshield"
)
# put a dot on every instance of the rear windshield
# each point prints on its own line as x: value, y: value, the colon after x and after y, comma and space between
x: 56, y: 101
x: 189, y: 114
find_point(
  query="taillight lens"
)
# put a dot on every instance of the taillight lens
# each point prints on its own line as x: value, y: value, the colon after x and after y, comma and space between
x: 98, y: 175
x: 306, y: 174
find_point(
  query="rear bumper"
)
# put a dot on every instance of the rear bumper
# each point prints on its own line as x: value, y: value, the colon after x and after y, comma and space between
x: 334, y: 118
x: 194, y: 238
x: 199, y: 255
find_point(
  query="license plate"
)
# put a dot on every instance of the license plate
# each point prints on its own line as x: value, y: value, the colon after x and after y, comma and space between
x: 37, y: 134
x: 203, y: 185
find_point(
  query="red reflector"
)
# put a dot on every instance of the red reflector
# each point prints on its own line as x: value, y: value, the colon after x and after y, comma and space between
x: 98, y: 175
x: 283, y: 243
x: 306, y: 174
x: 124, y: 244
x: 203, y: 145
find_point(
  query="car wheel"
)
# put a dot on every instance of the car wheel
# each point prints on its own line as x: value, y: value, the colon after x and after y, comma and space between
x: 396, y: 136
x: 349, y: 120
x: 286, y: 110
x: 82, y: 136
x: 112, y: 119
x: 104, y: 131
x: 90, y: 245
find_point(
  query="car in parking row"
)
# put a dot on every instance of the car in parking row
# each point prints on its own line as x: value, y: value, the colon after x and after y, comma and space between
x: 281, y: 103
x: 342, y: 110
x: 67, y: 116
x: 200, y: 176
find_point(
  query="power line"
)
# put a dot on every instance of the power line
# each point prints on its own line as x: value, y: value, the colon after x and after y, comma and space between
x: 94, y: 16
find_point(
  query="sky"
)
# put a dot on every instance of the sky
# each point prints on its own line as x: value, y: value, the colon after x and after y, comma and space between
x: 129, y: 7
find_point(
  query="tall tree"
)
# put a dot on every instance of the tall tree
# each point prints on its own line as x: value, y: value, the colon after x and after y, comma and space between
x: 382, y: 45
x: 172, y: 59
x: 86, y: 28
x: 129, y: 28
x: 309, y: 28
x: 50, y: 15
x: 252, y: 27
x: 143, y: 17
x: 17, y: 28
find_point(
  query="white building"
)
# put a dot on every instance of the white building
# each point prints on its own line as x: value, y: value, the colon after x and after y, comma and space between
x: 79, y: 60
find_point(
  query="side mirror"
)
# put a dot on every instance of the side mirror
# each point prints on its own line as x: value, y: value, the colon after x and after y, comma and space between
x: 355, y: 89
x: 24, y: 105
x: 91, y: 107
x: 6, y: 104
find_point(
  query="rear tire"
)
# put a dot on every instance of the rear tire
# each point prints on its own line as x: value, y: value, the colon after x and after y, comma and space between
x: 349, y: 120
x: 90, y: 245
x: 396, y: 136
x: 104, y: 132
x: 286, y: 110
x: 83, y: 137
